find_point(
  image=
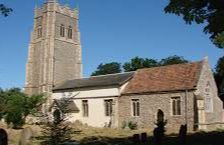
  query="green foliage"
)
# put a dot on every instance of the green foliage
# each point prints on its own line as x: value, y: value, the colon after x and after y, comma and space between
x: 209, y: 12
x: 219, y: 74
x: 132, y: 125
x: 57, y: 132
x: 172, y: 60
x: 108, y: 68
x: 16, y: 106
x: 2, y: 103
x: 220, y: 66
x: 5, y: 11
x: 137, y: 63
x: 219, y: 40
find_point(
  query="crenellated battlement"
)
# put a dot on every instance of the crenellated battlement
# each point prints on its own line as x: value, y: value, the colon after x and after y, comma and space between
x: 65, y: 10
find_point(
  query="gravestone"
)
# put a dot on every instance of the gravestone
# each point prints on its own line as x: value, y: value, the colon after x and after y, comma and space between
x: 3, y: 137
x: 26, y: 135
x: 136, y: 138
x: 144, y: 137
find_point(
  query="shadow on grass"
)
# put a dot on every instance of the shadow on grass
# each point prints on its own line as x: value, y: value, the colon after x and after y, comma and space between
x: 200, y: 138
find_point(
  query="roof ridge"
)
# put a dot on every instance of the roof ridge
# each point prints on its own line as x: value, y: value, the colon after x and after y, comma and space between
x: 165, y: 66
x: 113, y: 74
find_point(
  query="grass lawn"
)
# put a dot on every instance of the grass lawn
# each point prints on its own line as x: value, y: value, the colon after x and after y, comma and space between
x: 107, y: 136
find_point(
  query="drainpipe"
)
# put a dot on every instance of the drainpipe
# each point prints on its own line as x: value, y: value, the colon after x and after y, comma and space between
x: 186, y: 96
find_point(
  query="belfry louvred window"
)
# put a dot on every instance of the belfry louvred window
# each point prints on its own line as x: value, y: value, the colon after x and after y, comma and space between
x: 39, y: 31
x: 70, y: 32
x: 62, y: 30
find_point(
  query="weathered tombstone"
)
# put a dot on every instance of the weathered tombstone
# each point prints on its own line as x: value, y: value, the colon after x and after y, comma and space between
x: 3, y: 137
x: 26, y: 135
x: 144, y: 137
x: 136, y: 138
x: 183, y: 134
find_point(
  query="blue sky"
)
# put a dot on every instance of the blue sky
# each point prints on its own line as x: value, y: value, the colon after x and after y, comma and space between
x: 111, y: 30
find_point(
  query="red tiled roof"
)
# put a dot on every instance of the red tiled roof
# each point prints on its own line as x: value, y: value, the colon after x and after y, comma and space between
x: 165, y: 78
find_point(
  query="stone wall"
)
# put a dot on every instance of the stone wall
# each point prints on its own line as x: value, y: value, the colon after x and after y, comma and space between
x: 53, y: 59
x: 149, y: 105
x: 214, y: 118
x: 67, y: 51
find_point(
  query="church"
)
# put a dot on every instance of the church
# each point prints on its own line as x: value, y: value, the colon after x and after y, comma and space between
x: 182, y: 93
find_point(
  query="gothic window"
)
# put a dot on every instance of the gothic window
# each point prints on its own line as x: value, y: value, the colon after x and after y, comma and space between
x: 70, y: 32
x: 39, y: 32
x: 176, y: 106
x: 108, y: 107
x: 135, y: 107
x: 85, y: 108
x: 160, y: 116
x: 62, y: 30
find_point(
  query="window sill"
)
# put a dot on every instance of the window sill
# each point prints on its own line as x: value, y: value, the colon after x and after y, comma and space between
x: 176, y: 115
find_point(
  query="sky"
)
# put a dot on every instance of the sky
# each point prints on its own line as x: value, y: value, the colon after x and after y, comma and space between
x: 111, y: 30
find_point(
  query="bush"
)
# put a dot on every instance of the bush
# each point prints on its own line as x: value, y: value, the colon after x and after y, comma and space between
x: 15, y: 118
x: 15, y: 106
x: 132, y: 125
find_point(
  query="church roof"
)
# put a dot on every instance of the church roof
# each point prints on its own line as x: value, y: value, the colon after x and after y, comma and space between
x: 166, y: 78
x: 96, y: 81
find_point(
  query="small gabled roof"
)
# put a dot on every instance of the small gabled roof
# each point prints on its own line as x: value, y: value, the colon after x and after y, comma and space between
x: 96, y: 81
x: 166, y: 78
x: 70, y: 106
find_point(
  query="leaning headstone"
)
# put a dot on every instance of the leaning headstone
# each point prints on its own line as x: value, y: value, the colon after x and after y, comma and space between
x: 3, y: 137
x: 26, y: 135
x: 136, y: 138
x: 144, y: 137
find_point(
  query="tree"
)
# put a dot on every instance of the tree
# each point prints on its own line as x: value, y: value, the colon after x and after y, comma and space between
x: 108, y: 68
x: 172, y: 60
x: 208, y: 12
x: 2, y: 103
x: 57, y: 131
x: 16, y: 106
x: 5, y: 11
x: 137, y: 63
x: 219, y: 75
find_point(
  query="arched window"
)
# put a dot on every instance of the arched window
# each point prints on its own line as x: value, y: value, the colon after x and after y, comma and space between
x: 135, y: 107
x: 70, y: 32
x: 39, y: 31
x: 160, y: 116
x: 62, y: 30
x: 176, y: 106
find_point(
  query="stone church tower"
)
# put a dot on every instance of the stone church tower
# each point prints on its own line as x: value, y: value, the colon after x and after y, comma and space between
x: 54, y: 49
